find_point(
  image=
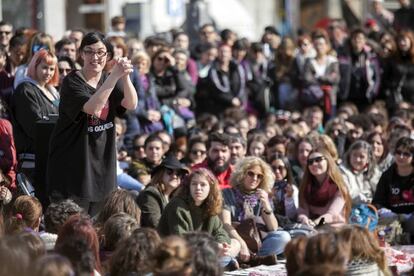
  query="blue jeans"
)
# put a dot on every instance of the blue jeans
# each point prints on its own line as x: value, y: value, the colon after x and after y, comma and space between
x: 274, y: 243
x: 127, y: 182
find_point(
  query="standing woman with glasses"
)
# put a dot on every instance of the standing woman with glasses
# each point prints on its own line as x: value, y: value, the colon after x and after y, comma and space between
x: 323, y: 194
x: 394, y: 196
x: 82, y: 155
x: 166, y: 178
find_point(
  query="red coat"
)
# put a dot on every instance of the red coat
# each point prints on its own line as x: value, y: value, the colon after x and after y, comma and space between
x: 8, y: 160
x: 223, y: 178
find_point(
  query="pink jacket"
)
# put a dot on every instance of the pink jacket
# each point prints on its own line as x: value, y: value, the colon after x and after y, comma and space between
x: 333, y: 212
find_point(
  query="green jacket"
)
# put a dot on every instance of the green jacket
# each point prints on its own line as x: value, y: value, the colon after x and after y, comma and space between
x: 180, y: 217
x: 152, y: 203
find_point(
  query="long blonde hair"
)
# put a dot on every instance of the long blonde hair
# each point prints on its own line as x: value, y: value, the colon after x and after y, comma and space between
x: 364, y: 246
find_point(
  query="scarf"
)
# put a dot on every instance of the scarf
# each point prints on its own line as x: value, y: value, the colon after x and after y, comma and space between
x: 320, y: 195
x: 246, y: 203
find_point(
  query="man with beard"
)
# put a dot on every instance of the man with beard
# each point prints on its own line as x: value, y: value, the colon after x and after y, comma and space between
x: 218, y: 158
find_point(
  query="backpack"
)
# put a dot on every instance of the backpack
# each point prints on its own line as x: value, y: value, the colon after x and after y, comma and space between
x: 365, y: 215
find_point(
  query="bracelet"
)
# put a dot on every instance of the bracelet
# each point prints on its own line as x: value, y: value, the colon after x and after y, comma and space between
x: 267, y: 212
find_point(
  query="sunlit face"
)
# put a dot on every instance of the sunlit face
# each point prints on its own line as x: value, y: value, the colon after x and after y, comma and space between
x: 358, y: 42
x: 219, y: 154
x: 68, y: 50
x: 171, y: 178
x: 237, y: 152
x: 359, y: 159
x: 304, y: 149
x: 253, y: 178
x: 321, y: 46
x: 161, y: 61
x: 198, y: 153
x: 76, y: 37
x: 142, y: 66
x: 403, y: 157
x: 94, y: 57
x: 45, y: 72
x: 182, y: 41
x: 224, y: 54
x: 5, y: 34
x: 154, y: 151
x: 181, y: 61
x: 378, y: 146
x: 257, y: 148
x: 317, y: 164
x: 279, y: 169
x: 404, y: 44
x: 199, y: 189
x: 64, y: 69
x: 17, y: 54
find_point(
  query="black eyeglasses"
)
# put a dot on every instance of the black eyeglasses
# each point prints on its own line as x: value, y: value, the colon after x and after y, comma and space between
x: 99, y: 53
x: 252, y: 175
x: 403, y: 153
x: 318, y: 159
x: 195, y: 152
x: 5, y: 32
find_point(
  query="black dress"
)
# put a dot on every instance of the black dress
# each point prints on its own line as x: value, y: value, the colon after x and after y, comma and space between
x: 82, y: 155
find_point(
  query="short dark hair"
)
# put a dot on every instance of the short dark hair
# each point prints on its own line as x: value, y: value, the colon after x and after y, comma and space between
x: 407, y: 143
x: 221, y: 138
x: 94, y: 37
x: 68, y: 60
x: 17, y: 40
x: 153, y: 137
x: 63, y: 42
x: 57, y: 214
x: 118, y: 228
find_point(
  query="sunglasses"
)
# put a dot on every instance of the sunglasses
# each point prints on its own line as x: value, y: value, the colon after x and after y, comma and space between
x: 164, y: 59
x: 63, y: 70
x: 318, y: 159
x: 252, y: 175
x: 171, y: 172
x: 280, y: 168
x: 403, y: 153
x: 138, y: 147
x: 195, y: 152
x: 5, y: 32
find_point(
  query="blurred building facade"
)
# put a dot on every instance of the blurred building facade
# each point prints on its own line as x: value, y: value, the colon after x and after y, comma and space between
x: 145, y: 17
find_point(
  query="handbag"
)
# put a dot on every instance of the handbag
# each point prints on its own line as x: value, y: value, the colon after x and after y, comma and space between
x: 312, y: 95
x: 249, y: 232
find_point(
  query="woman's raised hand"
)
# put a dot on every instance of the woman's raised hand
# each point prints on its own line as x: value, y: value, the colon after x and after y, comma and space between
x: 264, y: 199
x: 122, y: 67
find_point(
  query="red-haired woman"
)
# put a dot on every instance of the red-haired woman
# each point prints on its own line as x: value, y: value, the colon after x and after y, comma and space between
x: 323, y: 194
x: 197, y: 208
x: 34, y: 99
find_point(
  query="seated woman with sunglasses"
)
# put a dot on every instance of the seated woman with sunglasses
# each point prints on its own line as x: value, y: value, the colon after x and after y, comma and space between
x: 323, y: 194
x: 196, y: 208
x: 394, y: 196
x: 249, y: 197
x: 285, y: 194
x: 166, y: 178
